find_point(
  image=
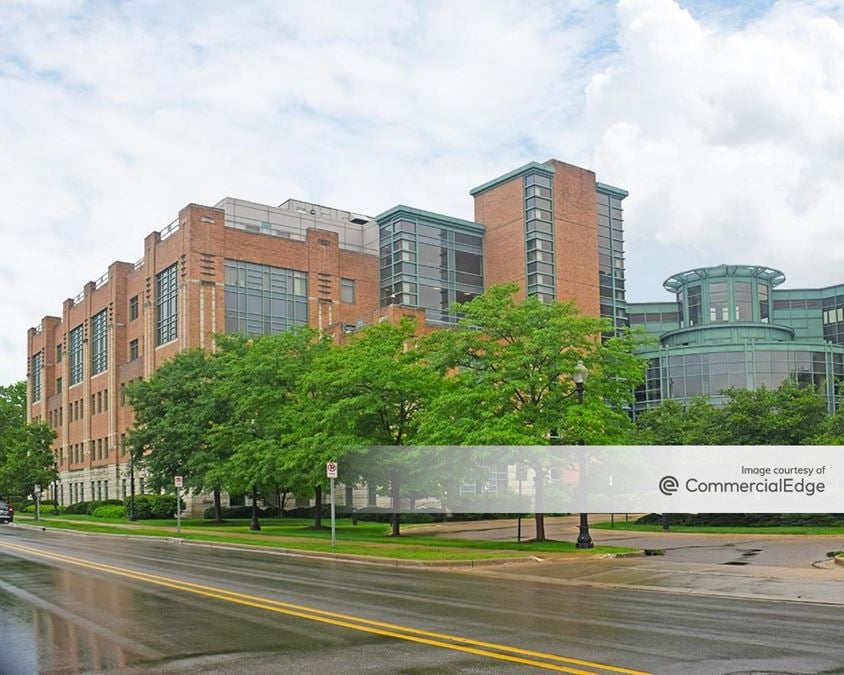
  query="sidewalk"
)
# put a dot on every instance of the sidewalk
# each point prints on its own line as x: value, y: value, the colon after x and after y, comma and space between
x: 759, y: 567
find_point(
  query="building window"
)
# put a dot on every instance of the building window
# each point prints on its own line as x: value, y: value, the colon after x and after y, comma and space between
x: 58, y: 385
x: 133, y: 350
x: 76, y: 352
x: 99, y: 343
x: 59, y: 353
x: 718, y: 303
x: 262, y: 300
x: 763, y: 303
x: 744, y: 301
x: 539, y: 239
x: 166, y: 305
x: 347, y: 290
x: 133, y: 308
x: 35, y: 376
x: 694, y: 305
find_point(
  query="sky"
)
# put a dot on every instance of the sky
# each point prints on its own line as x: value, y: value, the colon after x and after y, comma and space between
x: 725, y: 123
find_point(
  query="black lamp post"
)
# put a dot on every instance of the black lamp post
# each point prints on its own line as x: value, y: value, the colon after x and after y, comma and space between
x: 584, y: 540
x: 132, y: 515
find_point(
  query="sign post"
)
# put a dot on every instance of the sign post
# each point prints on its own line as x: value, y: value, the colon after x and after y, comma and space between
x: 178, y: 481
x: 331, y: 473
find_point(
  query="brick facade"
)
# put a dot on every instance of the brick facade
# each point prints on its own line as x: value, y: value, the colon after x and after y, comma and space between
x: 92, y: 416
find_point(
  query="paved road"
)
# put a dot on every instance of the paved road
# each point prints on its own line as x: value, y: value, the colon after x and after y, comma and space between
x: 72, y: 603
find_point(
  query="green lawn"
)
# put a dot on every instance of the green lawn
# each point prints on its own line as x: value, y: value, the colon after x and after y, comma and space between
x: 712, y: 529
x: 363, y: 539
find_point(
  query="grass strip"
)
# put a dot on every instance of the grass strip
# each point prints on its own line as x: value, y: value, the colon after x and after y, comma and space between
x: 364, y: 539
x: 723, y: 529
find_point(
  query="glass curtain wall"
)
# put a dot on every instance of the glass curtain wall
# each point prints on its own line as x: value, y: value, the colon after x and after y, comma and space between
x: 263, y: 300
x: 430, y: 266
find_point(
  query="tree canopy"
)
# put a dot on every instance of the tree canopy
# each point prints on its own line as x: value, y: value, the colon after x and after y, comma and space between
x: 26, y: 457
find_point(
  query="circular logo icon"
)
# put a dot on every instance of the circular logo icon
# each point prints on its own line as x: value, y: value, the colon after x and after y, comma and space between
x: 668, y: 485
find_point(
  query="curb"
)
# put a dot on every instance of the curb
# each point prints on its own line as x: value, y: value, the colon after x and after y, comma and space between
x: 630, y: 554
x: 297, y: 553
x: 839, y: 559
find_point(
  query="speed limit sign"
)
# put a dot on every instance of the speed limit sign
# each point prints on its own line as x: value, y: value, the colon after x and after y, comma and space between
x: 331, y: 469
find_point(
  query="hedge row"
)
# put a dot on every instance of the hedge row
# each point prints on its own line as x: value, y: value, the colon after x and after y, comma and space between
x: 375, y: 514
x: 110, y: 512
x: 153, y: 506
x: 88, y: 508
x: 748, y: 519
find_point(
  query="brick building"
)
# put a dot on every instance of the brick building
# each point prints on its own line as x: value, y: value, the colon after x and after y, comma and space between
x: 252, y: 268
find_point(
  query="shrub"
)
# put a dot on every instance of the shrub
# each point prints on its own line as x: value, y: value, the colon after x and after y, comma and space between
x: 110, y: 511
x: 93, y: 506
x: 79, y: 508
x: 748, y: 519
x: 239, y: 512
x: 149, y: 506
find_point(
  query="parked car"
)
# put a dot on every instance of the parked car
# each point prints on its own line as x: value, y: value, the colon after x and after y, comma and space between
x: 7, y: 513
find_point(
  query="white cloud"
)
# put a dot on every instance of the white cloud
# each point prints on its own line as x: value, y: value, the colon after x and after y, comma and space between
x: 729, y: 139
x: 115, y: 116
x: 725, y: 128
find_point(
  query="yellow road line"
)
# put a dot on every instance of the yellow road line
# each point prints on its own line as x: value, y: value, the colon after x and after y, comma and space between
x: 443, y: 640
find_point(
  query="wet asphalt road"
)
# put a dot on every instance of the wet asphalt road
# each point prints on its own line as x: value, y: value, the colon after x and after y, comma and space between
x: 57, y: 616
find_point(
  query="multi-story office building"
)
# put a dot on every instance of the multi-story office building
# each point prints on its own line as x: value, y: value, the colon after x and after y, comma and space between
x: 252, y: 268
x: 557, y: 232
x: 731, y: 326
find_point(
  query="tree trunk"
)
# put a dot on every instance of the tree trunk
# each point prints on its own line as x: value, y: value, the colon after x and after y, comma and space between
x: 318, y: 507
x: 539, y: 515
x: 218, y: 509
x: 394, y: 496
x: 540, y: 526
x: 254, y: 525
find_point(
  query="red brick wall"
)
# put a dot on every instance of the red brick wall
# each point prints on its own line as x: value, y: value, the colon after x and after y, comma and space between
x: 502, y: 211
x: 576, y: 236
x: 199, y: 247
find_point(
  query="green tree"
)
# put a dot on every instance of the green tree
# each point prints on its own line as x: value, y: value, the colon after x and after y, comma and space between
x: 673, y: 423
x: 790, y: 415
x: 261, y: 383
x: 368, y: 394
x: 511, y: 366
x: 831, y: 432
x: 26, y: 455
x: 175, y: 412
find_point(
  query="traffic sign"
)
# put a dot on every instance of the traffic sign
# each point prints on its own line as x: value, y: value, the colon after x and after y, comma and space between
x: 331, y: 469
x: 178, y: 480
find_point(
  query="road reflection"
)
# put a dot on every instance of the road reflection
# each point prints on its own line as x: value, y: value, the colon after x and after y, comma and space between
x: 53, y: 620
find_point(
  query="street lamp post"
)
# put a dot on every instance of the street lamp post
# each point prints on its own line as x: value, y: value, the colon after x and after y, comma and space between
x: 584, y: 540
x: 132, y: 514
